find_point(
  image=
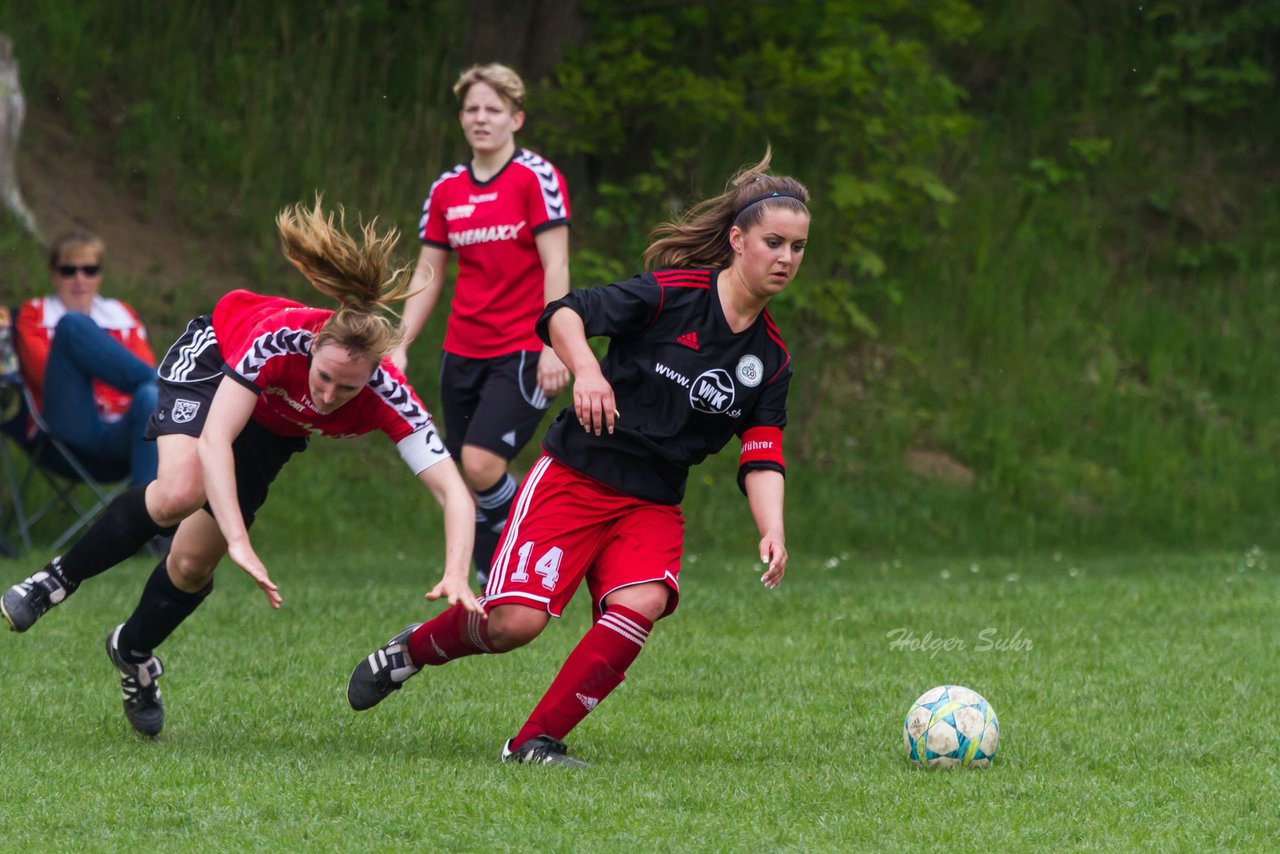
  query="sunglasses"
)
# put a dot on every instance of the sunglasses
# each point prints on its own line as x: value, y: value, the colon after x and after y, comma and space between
x: 69, y: 270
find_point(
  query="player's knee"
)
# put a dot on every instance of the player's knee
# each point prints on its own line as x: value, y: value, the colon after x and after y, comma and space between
x: 188, y: 571
x: 648, y: 600
x: 482, y: 469
x: 170, y: 502
x: 513, y: 626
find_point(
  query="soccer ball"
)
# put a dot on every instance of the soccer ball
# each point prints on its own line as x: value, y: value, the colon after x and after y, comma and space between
x: 951, y: 727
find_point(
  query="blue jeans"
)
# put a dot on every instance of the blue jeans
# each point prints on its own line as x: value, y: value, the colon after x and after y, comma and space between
x: 80, y: 353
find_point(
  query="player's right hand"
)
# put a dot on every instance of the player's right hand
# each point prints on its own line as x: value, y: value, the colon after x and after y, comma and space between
x: 773, y: 554
x: 594, y: 403
x: 457, y: 591
x: 247, y: 559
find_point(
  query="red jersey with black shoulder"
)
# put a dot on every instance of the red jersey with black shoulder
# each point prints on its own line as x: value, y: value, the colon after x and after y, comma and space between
x: 265, y: 343
x: 684, y: 381
x: 491, y: 225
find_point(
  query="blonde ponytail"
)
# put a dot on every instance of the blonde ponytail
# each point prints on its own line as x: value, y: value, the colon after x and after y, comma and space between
x: 361, y: 276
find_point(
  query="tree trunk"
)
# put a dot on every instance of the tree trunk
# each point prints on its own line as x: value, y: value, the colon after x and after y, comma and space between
x: 12, y: 110
x: 528, y: 35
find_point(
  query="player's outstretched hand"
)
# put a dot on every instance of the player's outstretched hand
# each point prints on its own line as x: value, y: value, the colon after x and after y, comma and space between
x: 774, y: 555
x: 455, y: 591
x: 247, y: 559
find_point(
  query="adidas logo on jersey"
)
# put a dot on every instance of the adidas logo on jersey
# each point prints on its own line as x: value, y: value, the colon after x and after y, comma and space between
x: 689, y: 339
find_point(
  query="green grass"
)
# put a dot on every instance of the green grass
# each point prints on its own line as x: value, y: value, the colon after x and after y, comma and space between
x: 1136, y: 698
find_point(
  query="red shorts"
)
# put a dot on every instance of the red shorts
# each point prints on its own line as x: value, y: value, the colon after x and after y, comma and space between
x: 564, y: 526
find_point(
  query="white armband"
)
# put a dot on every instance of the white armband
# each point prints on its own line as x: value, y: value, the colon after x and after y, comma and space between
x: 422, y: 449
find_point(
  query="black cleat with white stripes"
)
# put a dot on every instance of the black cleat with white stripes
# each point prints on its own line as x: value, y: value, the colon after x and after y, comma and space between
x: 541, y: 750
x: 382, y: 671
x: 29, y: 599
x: 142, y: 704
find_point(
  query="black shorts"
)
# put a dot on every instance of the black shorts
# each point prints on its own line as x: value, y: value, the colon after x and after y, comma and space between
x: 189, y: 375
x: 491, y: 403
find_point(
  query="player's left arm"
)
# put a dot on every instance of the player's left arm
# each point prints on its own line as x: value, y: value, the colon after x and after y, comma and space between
x: 424, y: 453
x: 762, y: 470
x: 765, y: 491
x: 553, y: 251
x: 448, y: 487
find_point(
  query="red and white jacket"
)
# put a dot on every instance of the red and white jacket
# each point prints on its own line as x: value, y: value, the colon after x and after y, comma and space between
x: 36, y: 321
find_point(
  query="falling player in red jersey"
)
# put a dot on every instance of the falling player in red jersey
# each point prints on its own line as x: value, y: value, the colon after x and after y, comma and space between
x: 505, y: 212
x: 694, y: 358
x: 242, y: 391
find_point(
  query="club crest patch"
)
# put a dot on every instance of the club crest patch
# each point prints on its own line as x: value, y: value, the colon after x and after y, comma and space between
x: 185, y: 410
x: 750, y: 371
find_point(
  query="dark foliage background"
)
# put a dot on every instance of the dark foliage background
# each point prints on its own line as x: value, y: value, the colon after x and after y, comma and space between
x: 1040, y: 305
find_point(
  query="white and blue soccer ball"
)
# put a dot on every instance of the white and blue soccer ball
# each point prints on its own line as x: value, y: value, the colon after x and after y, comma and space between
x: 951, y: 727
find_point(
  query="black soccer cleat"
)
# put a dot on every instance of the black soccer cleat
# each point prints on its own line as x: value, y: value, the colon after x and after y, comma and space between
x: 142, y: 704
x: 29, y: 599
x: 541, y: 750
x: 384, y: 670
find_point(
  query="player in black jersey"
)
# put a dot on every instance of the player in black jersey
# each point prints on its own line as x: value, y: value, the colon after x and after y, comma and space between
x: 694, y: 358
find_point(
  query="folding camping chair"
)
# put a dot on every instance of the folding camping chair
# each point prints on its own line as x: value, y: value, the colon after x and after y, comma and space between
x: 82, y: 486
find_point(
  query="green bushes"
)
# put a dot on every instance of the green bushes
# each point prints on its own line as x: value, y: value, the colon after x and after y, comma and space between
x: 1041, y: 297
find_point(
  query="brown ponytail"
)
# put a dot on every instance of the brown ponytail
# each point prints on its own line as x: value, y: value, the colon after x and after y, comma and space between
x: 701, y: 237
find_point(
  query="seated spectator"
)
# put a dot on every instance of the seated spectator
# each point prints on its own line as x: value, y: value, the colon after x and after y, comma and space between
x: 87, y: 361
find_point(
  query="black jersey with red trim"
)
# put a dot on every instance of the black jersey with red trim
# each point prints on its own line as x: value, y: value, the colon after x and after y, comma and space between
x: 492, y: 225
x: 685, y: 383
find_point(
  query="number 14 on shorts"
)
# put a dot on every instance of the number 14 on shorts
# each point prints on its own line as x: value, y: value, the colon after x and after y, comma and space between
x: 548, y: 566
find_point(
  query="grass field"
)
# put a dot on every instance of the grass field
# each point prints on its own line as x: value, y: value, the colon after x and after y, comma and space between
x: 1137, y: 700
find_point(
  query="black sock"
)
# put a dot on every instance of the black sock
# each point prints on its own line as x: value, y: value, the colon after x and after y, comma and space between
x: 123, y: 528
x: 492, y: 507
x: 486, y: 545
x: 161, y: 609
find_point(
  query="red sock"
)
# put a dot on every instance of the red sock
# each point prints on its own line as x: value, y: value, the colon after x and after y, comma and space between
x: 594, y: 668
x: 455, y: 633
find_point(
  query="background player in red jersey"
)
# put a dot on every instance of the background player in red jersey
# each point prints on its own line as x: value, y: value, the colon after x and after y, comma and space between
x: 506, y: 215
x: 240, y: 392
x: 694, y: 358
